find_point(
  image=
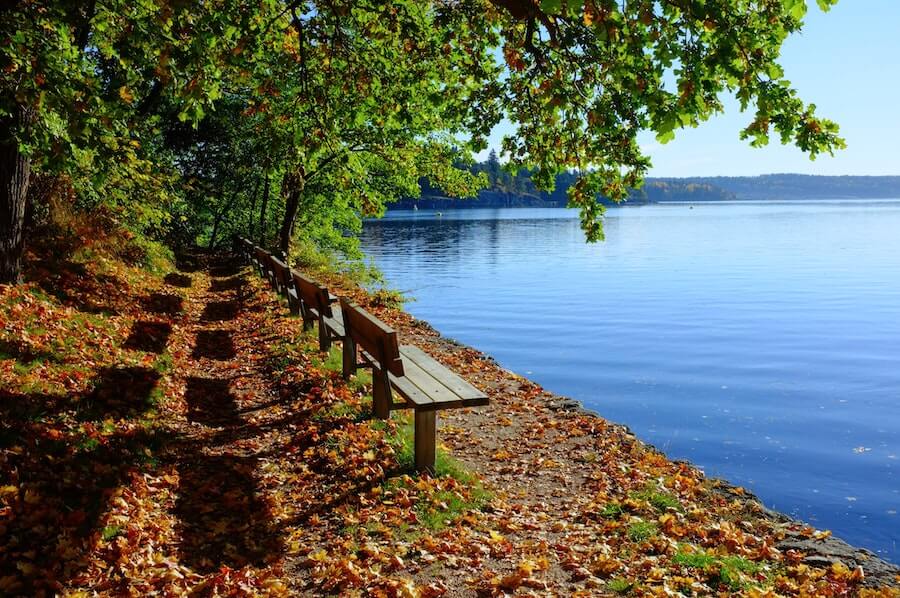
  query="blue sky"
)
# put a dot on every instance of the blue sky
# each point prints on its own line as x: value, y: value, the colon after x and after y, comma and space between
x: 847, y: 62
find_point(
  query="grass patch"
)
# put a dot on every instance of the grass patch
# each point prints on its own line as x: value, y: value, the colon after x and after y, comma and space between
x: 446, y: 506
x: 661, y: 501
x: 402, y: 441
x: 727, y: 570
x: 612, y: 510
x: 620, y: 586
x: 110, y: 531
x: 340, y: 411
x: 333, y: 361
x: 164, y: 363
x: 641, y: 531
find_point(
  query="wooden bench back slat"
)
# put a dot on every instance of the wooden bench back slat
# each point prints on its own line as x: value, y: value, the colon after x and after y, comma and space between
x: 282, y: 273
x: 313, y: 294
x: 372, y: 335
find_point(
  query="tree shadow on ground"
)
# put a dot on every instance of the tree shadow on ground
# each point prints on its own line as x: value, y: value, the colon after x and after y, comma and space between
x: 163, y: 303
x: 77, y: 287
x: 224, y: 267
x: 60, y: 466
x: 176, y: 279
x: 223, y: 520
x: 23, y: 353
x: 188, y: 263
x: 120, y: 392
x: 214, y: 344
x: 218, y: 285
x: 148, y: 336
x: 210, y: 402
x: 220, y: 311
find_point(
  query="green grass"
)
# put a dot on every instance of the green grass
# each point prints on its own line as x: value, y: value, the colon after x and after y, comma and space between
x: 661, y: 501
x: 333, y: 361
x: 612, y: 510
x: 727, y: 570
x: 163, y: 363
x: 111, y: 531
x: 449, y: 506
x: 641, y: 531
x: 340, y: 411
x: 444, y: 465
x: 620, y: 586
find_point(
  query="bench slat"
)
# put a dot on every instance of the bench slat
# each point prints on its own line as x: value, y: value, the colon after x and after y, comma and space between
x: 336, y: 324
x: 373, y: 335
x: 410, y: 392
x: 430, y: 386
x: 443, y: 374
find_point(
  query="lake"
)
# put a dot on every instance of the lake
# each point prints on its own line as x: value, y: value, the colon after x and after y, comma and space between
x: 761, y: 341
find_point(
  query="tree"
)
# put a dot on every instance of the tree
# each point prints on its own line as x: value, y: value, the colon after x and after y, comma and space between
x: 585, y: 77
x: 81, y: 84
x: 343, y: 106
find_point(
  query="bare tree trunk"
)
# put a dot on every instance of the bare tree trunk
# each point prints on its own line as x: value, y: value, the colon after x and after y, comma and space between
x: 262, y: 212
x: 218, y: 219
x: 15, y: 174
x: 294, y: 189
x: 252, y: 210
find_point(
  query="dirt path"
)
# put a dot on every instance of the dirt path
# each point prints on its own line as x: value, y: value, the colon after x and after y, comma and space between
x: 225, y: 515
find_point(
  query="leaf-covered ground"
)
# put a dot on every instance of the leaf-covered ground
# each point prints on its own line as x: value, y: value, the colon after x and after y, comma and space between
x: 182, y: 434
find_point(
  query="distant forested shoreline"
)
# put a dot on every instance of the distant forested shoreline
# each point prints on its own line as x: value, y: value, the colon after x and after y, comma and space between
x: 507, y: 190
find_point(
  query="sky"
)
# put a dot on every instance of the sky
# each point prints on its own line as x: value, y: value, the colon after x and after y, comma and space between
x: 847, y: 63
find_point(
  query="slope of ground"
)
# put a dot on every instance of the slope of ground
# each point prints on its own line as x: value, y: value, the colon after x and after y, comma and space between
x: 182, y: 434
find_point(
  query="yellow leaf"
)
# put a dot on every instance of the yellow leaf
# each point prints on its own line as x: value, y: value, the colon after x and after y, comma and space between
x: 126, y: 95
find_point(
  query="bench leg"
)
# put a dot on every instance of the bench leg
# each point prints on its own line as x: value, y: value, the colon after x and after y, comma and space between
x: 324, y: 337
x: 425, y: 440
x: 381, y: 394
x: 348, y: 366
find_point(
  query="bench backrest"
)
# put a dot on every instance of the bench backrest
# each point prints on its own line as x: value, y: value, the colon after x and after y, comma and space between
x: 262, y: 257
x: 312, y: 294
x: 282, y: 273
x: 374, y: 336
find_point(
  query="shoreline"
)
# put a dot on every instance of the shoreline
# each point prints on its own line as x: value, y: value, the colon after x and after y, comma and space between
x: 820, y: 548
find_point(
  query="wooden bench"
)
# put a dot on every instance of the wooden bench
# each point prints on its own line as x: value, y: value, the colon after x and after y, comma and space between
x: 261, y: 260
x: 316, y: 307
x: 283, y: 283
x: 288, y: 288
x: 425, y: 385
x: 245, y: 248
x: 268, y: 268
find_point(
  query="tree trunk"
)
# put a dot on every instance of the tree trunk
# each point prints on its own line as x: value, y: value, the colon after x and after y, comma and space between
x: 218, y: 219
x: 15, y: 174
x: 294, y: 188
x: 262, y: 212
x: 252, y: 210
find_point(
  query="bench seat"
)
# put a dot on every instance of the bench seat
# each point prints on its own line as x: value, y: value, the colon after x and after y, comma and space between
x: 425, y: 385
x: 429, y: 386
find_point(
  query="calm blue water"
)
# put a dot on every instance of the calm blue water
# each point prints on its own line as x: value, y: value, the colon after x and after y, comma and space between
x: 759, y: 341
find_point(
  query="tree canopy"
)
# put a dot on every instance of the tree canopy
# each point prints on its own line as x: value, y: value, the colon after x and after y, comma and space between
x: 291, y: 120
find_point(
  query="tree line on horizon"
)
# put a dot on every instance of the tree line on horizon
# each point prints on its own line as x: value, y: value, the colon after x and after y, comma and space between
x: 507, y: 188
x: 290, y: 120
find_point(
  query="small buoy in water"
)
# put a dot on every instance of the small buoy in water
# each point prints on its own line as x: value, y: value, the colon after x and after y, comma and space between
x: 691, y: 207
x: 438, y: 214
